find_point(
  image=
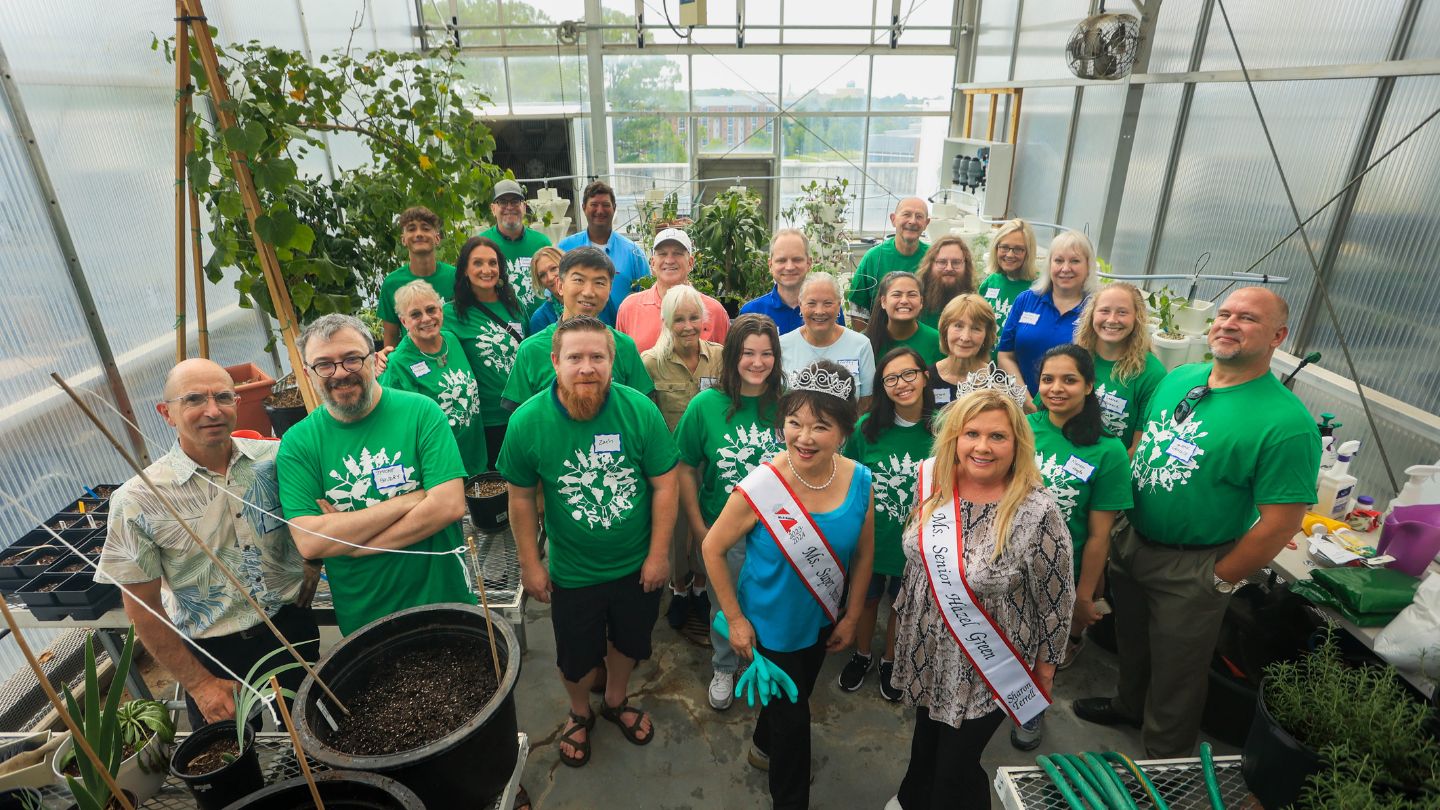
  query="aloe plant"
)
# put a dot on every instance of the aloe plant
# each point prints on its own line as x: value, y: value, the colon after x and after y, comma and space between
x: 100, y: 726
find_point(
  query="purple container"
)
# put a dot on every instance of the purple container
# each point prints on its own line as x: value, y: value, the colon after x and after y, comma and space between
x: 1412, y: 536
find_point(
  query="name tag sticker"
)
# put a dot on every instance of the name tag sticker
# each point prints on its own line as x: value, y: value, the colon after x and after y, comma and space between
x: 1181, y: 450
x: 852, y: 366
x: 1113, y: 404
x: 606, y: 443
x: 420, y: 369
x: 993, y: 292
x: 1030, y: 318
x: 942, y: 396
x: 522, y: 263
x: 389, y: 477
x: 706, y: 383
x: 1078, y: 467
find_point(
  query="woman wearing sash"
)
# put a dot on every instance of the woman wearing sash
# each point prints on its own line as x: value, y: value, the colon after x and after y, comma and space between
x: 724, y: 434
x: 806, y: 518
x: 987, y: 542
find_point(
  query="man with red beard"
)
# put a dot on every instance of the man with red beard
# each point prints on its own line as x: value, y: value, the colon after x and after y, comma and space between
x: 607, y: 464
x: 946, y: 271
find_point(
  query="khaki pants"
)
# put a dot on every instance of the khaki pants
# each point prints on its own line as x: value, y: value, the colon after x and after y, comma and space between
x: 684, y: 553
x: 1167, y: 621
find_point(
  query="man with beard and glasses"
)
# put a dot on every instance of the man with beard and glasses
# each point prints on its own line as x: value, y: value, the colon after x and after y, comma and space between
x: 607, y: 464
x: 901, y: 252
x: 420, y: 235
x: 598, y: 204
x: 586, y: 276
x: 947, y: 270
x: 378, y: 469
x: 518, y: 243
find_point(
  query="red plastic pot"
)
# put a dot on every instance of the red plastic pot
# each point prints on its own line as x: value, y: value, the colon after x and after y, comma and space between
x: 252, y: 414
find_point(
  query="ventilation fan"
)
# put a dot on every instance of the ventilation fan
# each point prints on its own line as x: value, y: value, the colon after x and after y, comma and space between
x: 1103, y: 46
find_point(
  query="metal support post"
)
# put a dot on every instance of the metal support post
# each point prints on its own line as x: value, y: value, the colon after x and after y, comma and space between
x: 1129, y: 119
x: 595, y: 62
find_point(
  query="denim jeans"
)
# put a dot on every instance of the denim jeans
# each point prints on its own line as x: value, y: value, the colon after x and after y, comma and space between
x: 724, y: 659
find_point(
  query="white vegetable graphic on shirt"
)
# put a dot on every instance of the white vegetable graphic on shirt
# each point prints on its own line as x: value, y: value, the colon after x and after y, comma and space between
x: 497, y: 347
x: 601, y: 490
x: 459, y: 397
x: 894, y: 483
x: 356, y: 485
x: 1057, y: 480
x: 1153, y: 467
x: 743, y: 451
x: 520, y: 280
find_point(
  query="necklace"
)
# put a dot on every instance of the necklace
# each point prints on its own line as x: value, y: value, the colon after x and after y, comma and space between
x: 801, y: 479
x: 439, y: 357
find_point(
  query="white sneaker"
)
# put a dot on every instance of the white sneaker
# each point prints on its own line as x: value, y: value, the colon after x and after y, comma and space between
x: 722, y: 690
x: 893, y: 804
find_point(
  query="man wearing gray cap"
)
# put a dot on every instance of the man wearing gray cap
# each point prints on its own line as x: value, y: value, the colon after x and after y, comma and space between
x: 671, y: 261
x: 517, y: 242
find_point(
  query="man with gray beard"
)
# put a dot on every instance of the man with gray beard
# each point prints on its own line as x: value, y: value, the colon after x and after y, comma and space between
x: 378, y: 469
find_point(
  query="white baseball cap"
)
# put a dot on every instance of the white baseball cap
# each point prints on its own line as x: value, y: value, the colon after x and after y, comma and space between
x: 674, y: 235
x: 507, y: 187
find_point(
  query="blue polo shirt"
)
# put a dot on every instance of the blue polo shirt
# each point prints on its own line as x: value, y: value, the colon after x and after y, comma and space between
x: 630, y: 266
x: 1033, y: 327
x: 786, y: 318
x: 549, y: 312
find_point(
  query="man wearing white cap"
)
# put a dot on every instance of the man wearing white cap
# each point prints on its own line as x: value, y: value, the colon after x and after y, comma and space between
x: 670, y: 262
x: 517, y: 242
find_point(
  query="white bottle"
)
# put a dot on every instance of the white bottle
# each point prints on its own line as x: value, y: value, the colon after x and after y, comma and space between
x: 1337, y: 486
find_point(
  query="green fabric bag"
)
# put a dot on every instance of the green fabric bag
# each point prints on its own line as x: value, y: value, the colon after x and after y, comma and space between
x: 1368, y: 597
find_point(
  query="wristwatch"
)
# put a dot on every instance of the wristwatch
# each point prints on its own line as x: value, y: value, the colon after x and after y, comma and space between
x: 1225, y: 586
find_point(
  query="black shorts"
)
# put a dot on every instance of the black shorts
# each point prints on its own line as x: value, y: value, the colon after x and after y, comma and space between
x: 619, y: 612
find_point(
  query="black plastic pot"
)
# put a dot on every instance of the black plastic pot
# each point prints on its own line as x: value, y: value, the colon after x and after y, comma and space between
x: 282, y: 419
x: 33, y: 597
x: 20, y: 799
x: 1275, y: 765
x: 112, y: 805
x: 88, y: 598
x: 490, y: 514
x: 66, y: 521
x: 230, y: 782
x: 340, y: 790
x: 1229, y: 706
x: 468, y: 767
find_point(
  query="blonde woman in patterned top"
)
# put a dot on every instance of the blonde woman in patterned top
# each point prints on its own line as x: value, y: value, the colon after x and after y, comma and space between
x: 1017, y: 563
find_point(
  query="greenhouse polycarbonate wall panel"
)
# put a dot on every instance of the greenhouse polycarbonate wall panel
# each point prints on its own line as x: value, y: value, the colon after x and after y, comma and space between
x: 994, y: 41
x: 1425, y: 36
x: 1383, y: 286
x: 1228, y: 199
x: 1040, y: 154
x: 1316, y: 32
x: 1174, y: 36
x: 1096, y: 134
x: 1045, y: 25
x: 385, y: 24
x: 1149, y: 155
x: 43, y: 41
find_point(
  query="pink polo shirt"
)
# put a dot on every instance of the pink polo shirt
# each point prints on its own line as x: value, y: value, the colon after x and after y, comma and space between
x: 639, y: 317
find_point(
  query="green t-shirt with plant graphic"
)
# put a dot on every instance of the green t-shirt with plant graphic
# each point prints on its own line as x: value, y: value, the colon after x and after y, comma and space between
x: 894, y: 463
x: 1123, y: 404
x: 518, y: 253
x: 403, y: 445
x: 442, y: 280
x: 1082, y: 479
x: 1200, y: 482
x: 724, y: 449
x: 878, y: 261
x: 490, y: 346
x: 926, y: 341
x: 533, y: 372
x: 450, y: 384
x: 1000, y: 291
x: 596, y: 479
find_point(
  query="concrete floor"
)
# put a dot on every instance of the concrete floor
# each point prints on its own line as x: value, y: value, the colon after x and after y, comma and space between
x: 860, y: 741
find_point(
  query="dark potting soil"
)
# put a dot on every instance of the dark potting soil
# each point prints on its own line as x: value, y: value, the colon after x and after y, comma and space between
x: 486, y: 489
x: 72, y: 568
x: 285, y: 398
x: 48, y: 588
x: 14, y: 559
x: 414, y: 698
x: 219, y: 754
x: 45, y: 559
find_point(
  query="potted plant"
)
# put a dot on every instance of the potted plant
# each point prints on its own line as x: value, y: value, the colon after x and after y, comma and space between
x: 1324, y: 729
x: 819, y: 212
x: 732, y: 240
x: 146, y: 734
x: 427, y: 708
x: 488, y: 498
x: 656, y: 212
x: 1168, y: 343
x: 100, y: 725
x: 349, y: 789
x: 253, y: 385
x: 1193, y: 317
x: 285, y: 406
x: 218, y: 761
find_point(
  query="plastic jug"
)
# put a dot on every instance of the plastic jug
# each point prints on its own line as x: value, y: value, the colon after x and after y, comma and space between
x: 1412, y: 536
x: 1422, y: 488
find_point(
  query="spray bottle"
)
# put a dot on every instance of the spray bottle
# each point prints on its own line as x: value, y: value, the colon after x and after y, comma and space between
x: 1327, y: 427
x: 1336, y: 488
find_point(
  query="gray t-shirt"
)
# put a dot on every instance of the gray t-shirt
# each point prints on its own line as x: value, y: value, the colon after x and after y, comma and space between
x: 852, y: 352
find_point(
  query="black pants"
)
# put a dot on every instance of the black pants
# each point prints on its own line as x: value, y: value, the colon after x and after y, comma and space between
x: 944, y: 771
x: 783, y: 729
x: 239, y: 651
x: 494, y: 438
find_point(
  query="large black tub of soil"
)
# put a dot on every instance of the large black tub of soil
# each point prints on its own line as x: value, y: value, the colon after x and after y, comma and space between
x: 426, y: 709
x: 340, y: 790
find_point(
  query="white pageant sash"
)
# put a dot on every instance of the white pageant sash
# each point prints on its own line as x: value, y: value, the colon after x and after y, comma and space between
x: 799, y: 539
x: 990, y: 652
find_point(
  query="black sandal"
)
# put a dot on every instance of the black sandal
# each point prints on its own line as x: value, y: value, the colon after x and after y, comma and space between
x: 587, y: 724
x: 616, y: 715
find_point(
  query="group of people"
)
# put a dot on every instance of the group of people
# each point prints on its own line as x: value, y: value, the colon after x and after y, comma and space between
x: 986, y: 457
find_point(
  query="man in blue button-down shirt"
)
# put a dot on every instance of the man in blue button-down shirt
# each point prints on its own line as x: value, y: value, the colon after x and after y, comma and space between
x: 598, y: 203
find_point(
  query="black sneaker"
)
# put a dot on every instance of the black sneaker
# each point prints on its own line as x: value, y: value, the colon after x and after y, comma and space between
x: 679, y: 609
x: 887, y: 689
x: 853, y: 675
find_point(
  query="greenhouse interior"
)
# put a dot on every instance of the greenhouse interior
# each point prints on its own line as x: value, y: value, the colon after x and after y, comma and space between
x: 904, y: 404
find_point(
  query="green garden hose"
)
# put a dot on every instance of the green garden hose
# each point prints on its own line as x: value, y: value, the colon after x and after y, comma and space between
x: 1097, y: 781
x: 1119, y: 794
x: 1058, y: 779
x: 1086, y: 788
x: 1139, y: 774
x: 1212, y: 785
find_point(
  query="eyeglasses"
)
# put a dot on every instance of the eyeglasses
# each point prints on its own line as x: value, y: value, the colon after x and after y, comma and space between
x: 326, y: 368
x: 195, y: 399
x: 431, y: 310
x: 509, y: 203
x: 1186, y: 406
x: 908, y: 375
x: 1009, y: 249
x: 950, y: 262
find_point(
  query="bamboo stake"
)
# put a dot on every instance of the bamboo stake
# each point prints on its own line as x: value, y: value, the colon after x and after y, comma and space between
x: 485, y: 604
x: 175, y: 513
x: 269, y: 263
x: 81, y: 743
x: 182, y: 83
x: 201, y: 316
x: 295, y: 741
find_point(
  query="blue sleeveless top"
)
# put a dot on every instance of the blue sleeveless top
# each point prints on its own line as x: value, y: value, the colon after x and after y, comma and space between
x: 785, y: 616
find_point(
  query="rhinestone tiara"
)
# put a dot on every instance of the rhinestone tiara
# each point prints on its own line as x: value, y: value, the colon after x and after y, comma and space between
x: 991, y: 376
x: 811, y: 378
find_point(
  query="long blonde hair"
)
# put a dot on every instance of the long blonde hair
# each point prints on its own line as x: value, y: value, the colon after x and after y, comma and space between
x: 1137, y: 345
x: 676, y: 297
x: 1024, y: 475
x: 1027, y: 270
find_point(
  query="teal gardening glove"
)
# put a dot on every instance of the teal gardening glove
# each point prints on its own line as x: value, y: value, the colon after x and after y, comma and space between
x: 762, y: 678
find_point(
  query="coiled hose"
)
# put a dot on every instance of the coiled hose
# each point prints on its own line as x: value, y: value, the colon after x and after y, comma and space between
x: 1100, y: 787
